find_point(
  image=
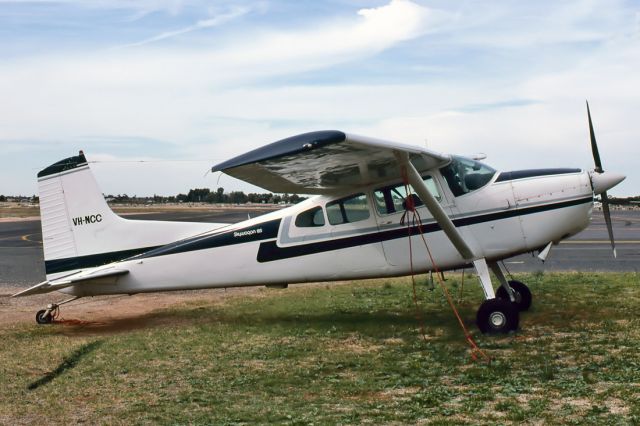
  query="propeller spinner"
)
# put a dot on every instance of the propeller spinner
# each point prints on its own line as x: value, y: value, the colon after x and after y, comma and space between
x: 601, y: 181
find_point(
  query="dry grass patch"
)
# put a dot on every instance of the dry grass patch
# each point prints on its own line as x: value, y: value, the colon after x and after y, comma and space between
x: 354, y: 344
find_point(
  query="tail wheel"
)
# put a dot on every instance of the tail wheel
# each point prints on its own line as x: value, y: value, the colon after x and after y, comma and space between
x: 44, y: 317
x: 521, y: 292
x: 497, y: 316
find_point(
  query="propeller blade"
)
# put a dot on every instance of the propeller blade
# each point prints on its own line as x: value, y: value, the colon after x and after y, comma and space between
x: 604, y: 198
x: 607, y: 219
x: 594, y: 145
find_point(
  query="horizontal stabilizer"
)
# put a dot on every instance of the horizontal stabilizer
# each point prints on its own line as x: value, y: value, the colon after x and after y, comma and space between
x: 79, y: 278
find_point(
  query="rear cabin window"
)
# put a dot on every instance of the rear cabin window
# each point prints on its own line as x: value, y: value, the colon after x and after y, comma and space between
x: 310, y: 218
x: 392, y: 198
x: 347, y: 210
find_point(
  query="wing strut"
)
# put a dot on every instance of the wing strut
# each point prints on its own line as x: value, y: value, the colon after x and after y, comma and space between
x: 435, y: 208
x: 446, y: 224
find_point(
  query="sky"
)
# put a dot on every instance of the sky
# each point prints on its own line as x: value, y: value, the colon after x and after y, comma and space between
x: 157, y: 91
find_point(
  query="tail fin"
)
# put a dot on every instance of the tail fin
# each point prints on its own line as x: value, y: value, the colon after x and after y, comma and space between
x: 80, y: 231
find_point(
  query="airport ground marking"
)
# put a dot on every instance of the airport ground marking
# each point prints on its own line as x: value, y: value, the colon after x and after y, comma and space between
x: 26, y: 238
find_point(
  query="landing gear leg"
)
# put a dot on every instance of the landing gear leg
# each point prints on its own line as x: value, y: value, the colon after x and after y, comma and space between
x: 494, y: 315
x: 515, y: 291
x: 485, y: 279
x: 46, y: 316
x: 504, y: 284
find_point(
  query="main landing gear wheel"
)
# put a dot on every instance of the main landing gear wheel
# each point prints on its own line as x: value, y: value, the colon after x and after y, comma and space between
x: 521, y: 292
x: 44, y: 317
x: 497, y: 316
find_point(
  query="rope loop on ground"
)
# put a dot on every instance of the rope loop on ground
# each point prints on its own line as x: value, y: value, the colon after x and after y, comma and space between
x: 413, y: 222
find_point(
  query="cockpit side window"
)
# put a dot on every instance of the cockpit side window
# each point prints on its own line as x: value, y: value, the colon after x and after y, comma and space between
x: 310, y: 218
x: 464, y: 175
x: 347, y: 210
x: 391, y: 199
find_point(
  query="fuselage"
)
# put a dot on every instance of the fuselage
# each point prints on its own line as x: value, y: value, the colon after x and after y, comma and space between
x: 361, y: 234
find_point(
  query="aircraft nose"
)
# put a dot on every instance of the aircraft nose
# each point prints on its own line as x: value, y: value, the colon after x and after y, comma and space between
x: 604, y: 181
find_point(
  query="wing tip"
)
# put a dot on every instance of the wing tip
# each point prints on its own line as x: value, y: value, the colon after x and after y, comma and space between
x: 288, y: 146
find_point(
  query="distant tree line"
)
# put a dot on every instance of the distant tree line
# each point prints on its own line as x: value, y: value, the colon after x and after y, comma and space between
x: 205, y: 195
x: 19, y: 198
x: 628, y: 201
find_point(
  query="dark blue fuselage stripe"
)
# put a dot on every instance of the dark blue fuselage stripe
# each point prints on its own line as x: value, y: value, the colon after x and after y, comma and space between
x: 258, y: 232
x: 261, y: 231
x: 523, y: 174
x: 269, y: 250
x: 91, y: 260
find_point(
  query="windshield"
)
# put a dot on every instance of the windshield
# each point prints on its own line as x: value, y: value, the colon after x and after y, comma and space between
x: 464, y: 175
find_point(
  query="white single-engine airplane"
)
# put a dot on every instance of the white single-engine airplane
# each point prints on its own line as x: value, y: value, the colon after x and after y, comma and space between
x: 470, y: 215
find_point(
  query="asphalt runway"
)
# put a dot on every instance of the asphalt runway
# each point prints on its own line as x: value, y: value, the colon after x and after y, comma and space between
x: 590, y: 250
x: 21, y: 260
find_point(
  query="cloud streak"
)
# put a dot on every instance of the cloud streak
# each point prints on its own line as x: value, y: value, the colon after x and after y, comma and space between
x: 215, y: 21
x: 326, y: 44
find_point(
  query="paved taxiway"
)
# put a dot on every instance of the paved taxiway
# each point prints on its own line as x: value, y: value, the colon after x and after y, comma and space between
x: 21, y: 261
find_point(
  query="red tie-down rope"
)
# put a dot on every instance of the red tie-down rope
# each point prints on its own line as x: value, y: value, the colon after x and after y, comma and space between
x: 476, y: 352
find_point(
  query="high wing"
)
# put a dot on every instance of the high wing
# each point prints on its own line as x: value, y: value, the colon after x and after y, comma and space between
x: 325, y: 162
x: 330, y: 161
x: 94, y: 275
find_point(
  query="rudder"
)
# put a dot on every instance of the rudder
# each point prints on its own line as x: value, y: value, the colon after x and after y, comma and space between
x: 79, y: 229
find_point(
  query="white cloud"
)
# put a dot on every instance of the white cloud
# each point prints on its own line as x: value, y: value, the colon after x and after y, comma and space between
x: 537, y: 24
x: 159, y: 93
x: 205, y: 101
x: 550, y: 133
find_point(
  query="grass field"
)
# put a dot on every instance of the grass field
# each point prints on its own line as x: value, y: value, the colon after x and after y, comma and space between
x: 18, y: 210
x: 349, y: 353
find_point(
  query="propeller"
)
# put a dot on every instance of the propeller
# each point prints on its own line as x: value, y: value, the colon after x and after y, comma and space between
x: 594, y: 145
x: 601, y: 181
